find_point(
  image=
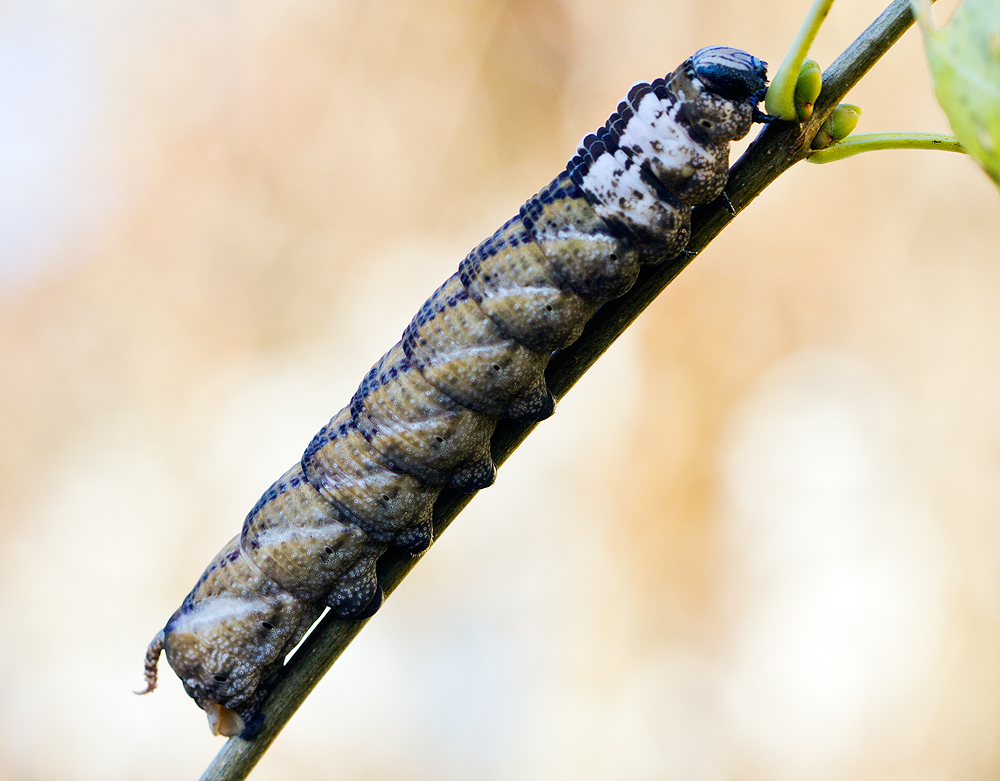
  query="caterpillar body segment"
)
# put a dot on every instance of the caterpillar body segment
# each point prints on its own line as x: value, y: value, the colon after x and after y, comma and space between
x: 309, y: 548
x: 420, y: 429
x: 464, y: 353
x: 391, y: 506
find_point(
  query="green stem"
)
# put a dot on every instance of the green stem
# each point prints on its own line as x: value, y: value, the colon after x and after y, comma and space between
x: 780, y: 101
x: 872, y: 142
x: 773, y: 152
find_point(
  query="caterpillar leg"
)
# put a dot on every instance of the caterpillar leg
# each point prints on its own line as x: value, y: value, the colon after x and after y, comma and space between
x: 533, y: 407
x: 356, y: 593
x: 474, y: 476
x: 366, y: 611
x: 416, y: 539
x: 223, y: 721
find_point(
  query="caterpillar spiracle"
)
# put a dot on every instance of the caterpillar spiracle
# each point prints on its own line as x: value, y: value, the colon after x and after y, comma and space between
x: 475, y: 352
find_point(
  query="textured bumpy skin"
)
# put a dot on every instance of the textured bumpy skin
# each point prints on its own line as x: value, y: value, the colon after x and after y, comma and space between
x: 476, y: 351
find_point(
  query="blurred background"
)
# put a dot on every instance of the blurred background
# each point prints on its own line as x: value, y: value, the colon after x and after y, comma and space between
x: 760, y: 540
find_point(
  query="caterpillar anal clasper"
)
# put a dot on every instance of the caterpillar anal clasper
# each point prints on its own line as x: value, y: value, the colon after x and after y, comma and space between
x: 476, y: 352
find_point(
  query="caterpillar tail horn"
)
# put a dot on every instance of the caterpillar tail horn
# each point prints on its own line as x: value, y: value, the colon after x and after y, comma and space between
x: 152, y: 659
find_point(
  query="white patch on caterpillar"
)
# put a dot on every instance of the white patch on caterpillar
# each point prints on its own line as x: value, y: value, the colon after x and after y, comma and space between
x: 206, y: 617
x: 614, y: 180
x: 672, y: 154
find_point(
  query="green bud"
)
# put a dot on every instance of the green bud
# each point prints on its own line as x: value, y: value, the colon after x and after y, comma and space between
x: 838, y: 126
x: 807, y: 89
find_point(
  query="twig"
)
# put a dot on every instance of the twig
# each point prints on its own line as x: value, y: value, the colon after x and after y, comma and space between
x: 777, y: 148
x: 780, y: 99
x: 877, y: 142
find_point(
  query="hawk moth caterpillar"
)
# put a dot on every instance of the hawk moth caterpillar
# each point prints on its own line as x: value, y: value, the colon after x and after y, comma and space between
x: 475, y: 352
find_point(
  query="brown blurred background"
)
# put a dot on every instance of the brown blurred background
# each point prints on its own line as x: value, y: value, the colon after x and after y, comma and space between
x: 760, y: 540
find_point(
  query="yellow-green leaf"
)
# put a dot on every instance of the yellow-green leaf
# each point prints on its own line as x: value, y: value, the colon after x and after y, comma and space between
x: 964, y: 58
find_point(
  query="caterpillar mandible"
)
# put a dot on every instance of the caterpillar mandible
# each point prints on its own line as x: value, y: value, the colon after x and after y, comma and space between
x: 476, y: 352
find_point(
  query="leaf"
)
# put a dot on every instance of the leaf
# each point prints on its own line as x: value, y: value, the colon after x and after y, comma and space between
x: 964, y: 58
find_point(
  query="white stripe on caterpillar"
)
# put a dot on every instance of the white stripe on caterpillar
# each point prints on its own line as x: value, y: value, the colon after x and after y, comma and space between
x: 476, y: 351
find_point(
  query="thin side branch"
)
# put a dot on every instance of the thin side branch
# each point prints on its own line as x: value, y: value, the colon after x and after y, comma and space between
x: 776, y: 149
x: 879, y: 142
x: 780, y: 99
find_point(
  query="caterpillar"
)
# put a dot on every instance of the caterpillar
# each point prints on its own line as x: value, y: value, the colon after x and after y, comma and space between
x: 476, y: 352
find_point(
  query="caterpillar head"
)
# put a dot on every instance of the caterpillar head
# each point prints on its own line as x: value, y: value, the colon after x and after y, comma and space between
x: 730, y: 73
x: 720, y: 88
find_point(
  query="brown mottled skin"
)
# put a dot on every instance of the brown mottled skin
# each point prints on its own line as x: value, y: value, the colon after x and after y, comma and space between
x: 475, y: 352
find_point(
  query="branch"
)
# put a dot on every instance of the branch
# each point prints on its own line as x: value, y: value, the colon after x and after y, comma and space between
x: 876, y: 142
x: 775, y: 150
